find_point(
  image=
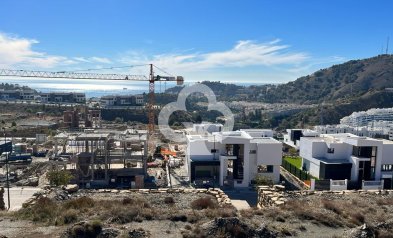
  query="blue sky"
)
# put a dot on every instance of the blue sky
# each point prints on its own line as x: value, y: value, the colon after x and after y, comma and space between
x: 236, y: 41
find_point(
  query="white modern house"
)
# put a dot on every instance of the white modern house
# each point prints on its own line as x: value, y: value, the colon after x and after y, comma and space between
x: 233, y: 158
x: 292, y: 138
x: 347, y: 156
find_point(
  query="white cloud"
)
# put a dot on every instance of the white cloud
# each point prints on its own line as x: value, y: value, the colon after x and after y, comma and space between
x: 82, y: 59
x: 245, y: 61
x: 244, y: 53
x: 100, y: 60
x: 18, y: 51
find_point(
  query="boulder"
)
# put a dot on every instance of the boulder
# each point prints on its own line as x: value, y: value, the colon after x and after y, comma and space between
x: 71, y: 188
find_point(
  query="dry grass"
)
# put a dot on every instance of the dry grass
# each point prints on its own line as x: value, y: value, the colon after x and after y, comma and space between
x: 120, y: 211
x: 204, y: 203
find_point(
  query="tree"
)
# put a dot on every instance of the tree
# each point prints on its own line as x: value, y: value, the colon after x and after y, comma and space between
x: 59, y: 177
x: 292, y: 152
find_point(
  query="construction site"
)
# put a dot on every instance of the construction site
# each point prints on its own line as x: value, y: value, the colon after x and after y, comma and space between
x: 97, y: 153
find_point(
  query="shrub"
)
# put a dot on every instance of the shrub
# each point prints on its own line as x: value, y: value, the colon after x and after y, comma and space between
x: 182, y: 218
x: 90, y: 229
x: 70, y: 216
x: 59, y: 177
x: 169, y: 200
x: 236, y: 231
x: 357, y: 218
x: 332, y: 206
x: 203, y: 203
x: 127, y: 201
x: 79, y: 203
x: 44, y: 210
x: 263, y: 180
x: 222, y: 212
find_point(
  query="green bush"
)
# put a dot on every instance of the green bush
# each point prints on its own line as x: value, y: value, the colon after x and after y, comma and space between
x: 59, y: 177
x: 263, y: 180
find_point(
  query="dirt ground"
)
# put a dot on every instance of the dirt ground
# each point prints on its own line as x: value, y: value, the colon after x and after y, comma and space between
x: 326, y: 215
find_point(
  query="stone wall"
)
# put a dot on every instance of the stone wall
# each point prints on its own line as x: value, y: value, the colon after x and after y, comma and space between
x: 222, y: 198
x: 276, y: 195
x: 271, y: 196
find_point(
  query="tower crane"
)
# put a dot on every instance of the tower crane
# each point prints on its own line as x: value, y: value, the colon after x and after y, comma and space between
x: 97, y: 76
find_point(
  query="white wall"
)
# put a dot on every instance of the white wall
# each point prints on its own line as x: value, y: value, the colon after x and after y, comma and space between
x: 269, y: 153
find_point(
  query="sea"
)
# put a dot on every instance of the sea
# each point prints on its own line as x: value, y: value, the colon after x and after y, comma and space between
x: 92, y: 88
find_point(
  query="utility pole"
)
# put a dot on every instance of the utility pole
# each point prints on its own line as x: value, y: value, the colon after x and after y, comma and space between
x: 7, y: 169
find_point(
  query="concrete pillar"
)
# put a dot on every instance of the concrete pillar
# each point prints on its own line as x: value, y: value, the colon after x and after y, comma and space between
x: 56, y: 146
x: 86, y: 146
x: 312, y: 186
x: 222, y: 171
x: 246, y: 167
x: 91, y: 161
x: 106, y: 161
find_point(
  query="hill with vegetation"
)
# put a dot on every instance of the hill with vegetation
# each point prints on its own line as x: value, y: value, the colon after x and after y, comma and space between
x: 348, y: 80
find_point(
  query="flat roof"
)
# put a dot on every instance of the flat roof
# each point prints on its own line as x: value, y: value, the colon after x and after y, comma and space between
x: 333, y: 161
x: 265, y: 140
x: 92, y: 136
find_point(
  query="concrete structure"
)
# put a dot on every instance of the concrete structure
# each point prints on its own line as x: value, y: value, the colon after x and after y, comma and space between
x: 99, y: 158
x: 347, y: 156
x: 233, y: 158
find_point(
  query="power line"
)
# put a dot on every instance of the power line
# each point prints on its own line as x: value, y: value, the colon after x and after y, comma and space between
x: 162, y: 70
x: 115, y: 67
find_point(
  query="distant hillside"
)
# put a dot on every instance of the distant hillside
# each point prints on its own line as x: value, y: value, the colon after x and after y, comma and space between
x: 224, y: 91
x: 351, y: 79
x: 342, y: 89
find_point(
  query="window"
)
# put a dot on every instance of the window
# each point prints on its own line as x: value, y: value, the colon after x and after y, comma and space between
x: 265, y: 168
x: 330, y: 150
x: 253, y: 151
x: 387, y: 167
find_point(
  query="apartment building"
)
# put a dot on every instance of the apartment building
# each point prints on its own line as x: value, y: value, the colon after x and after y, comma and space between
x: 363, y: 118
x: 347, y: 156
x: 61, y: 97
x: 377, y: 129
x: 9, y: 94
x: 233, y: 158
x: 122, y: 100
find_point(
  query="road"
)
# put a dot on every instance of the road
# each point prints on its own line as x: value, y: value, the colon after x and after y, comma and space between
x: 19, y: 195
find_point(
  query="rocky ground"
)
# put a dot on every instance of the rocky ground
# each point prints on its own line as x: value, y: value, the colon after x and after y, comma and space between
x: 129, y: 214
